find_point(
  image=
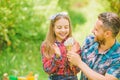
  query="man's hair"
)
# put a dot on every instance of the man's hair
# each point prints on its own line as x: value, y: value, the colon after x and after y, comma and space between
x: 110, y: 21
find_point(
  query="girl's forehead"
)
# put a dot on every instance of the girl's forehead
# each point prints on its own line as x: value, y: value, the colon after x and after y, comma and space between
x: 62, y: 21
x: 62, y: 18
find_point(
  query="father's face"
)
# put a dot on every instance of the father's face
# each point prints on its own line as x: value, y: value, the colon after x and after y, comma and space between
x: 99, y: 32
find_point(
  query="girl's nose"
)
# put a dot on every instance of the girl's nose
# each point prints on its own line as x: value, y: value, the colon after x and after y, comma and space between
x: 63, y: 29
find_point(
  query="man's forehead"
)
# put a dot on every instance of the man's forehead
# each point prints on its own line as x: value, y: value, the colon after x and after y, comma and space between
x: 99, y: 22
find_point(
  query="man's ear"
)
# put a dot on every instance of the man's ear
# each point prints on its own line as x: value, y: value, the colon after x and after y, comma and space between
x: 108, y: 33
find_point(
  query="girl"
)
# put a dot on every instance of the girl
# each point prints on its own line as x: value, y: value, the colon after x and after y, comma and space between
x: 54, y: 52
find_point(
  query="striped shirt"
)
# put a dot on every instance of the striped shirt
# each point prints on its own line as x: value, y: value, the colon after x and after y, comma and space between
x: 108, y: 62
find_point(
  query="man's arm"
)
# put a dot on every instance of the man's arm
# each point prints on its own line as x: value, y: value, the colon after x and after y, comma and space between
x: 91, y: 75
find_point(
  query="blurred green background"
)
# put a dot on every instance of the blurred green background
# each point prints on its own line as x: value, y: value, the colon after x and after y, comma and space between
x: 24, y: 24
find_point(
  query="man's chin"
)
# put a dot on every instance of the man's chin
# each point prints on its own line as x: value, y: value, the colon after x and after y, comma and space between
x: 95, y: 39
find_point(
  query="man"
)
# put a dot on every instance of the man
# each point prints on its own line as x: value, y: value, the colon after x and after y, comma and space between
x: 100, y: 57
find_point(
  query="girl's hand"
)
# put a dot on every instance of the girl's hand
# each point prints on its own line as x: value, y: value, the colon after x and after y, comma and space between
x: 57, y: 50
x: 75, y: 47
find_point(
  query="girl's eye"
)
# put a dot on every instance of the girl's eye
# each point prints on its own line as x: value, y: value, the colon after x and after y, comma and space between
x: 58, y: 27
x: 66, y: 27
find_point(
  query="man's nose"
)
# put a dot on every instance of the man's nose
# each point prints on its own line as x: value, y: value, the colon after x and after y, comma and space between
x: 92, y: 30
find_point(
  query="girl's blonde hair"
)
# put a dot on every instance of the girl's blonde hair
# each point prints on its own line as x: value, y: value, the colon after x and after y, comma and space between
x: 51, y: 37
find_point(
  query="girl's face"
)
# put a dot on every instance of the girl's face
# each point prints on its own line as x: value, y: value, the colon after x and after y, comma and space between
x: 61, y: 29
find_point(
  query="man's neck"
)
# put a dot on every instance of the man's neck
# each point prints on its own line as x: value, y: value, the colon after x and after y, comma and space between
x: 108, y: 44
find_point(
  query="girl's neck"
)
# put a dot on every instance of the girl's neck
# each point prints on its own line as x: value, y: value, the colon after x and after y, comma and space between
x: 59, y: 40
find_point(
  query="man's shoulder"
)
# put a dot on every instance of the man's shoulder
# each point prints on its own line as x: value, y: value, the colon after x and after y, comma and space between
x: 115, y: 51
x: 118, y: 43
x: 117, y: 46
x: 89, y: 41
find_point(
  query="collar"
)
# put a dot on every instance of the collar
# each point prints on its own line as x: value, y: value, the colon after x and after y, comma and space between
x: 110, y: 51
x: 61, y: 41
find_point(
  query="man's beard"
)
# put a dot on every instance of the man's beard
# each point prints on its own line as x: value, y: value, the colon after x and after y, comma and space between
x: 101, y: 41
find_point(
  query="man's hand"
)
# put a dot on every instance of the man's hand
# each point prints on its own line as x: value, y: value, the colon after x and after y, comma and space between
x: 74, y: 58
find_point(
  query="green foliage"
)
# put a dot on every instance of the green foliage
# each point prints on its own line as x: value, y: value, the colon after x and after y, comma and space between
x: 64, y: 4
x: 77, y: 18
x: 111, y: 5
x: 118, y: 37
x: 115, y: 6
x: 20, y: 37
x: 19, y: 23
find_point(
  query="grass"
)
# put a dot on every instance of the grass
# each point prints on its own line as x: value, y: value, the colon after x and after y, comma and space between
x: 22, y: 63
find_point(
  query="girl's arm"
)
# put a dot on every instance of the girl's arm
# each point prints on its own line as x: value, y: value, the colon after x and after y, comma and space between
x: 51, y: 64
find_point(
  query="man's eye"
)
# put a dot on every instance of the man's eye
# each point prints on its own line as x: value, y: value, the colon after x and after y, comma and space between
x: 96, y: 30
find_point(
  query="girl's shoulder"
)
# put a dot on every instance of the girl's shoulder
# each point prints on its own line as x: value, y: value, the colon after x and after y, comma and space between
x: 42, y: 46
